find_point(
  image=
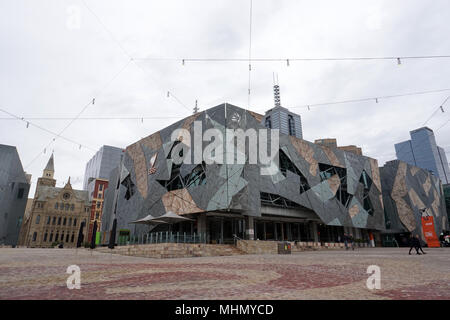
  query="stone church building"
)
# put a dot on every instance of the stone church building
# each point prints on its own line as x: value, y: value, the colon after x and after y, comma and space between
x: 56, y: 213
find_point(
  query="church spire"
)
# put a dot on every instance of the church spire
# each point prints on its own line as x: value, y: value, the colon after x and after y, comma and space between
x: 49, y: 170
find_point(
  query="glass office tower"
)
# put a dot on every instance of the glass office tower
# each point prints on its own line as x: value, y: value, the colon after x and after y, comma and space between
x: 423, y: 152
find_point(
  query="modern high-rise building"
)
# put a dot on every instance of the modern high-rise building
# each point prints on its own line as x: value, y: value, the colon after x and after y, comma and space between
x: 101, y: 165
x: 423, y: 152
x: 14, y: 188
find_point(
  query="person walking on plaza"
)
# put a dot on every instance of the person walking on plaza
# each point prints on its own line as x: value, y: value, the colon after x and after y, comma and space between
x: 412, y: 244
x: 346, y: 241
x: 419, y: 245
x: 351, y: 240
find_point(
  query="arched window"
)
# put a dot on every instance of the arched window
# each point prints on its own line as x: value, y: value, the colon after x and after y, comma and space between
x: 59, y: 221
x: 61, y: 206
x: 38, y: 219
x: 62, y: 237
x: 70, y: 222
x: 45, y: 236
x: 64, y: 221
x: 75, y: 222
x: 72, y: 207
x: 51, y: 237
x: 54, y: 221
x: 57, y: 236
x: 48, y: 219
x: 67, y: 207
x: 67, y: 238
x: 34, y: 236
x: 56, y: 205
x: 72, y: 238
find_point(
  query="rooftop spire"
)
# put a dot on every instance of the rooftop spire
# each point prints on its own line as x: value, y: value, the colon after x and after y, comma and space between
x: 49, y: 170
x: 276, y: 91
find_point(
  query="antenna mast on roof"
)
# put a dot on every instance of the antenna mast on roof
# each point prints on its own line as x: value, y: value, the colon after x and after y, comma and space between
x: 196, y: 109
x: 276, y: 91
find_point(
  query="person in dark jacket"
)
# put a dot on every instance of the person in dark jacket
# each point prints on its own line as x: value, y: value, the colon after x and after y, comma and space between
x: 412, y: 244
x: 346, y: 241
x: 351, y: 240
x: 416, y: 244
x: 419, y: 245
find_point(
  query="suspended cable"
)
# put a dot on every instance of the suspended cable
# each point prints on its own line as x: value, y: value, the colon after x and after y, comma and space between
x: 378, y: 98
x: 96, y: 118
x: 43, y: 129
x: 126, y: 51
x: 287, y: 60
x: 440, y: 108
x: 181, y: 117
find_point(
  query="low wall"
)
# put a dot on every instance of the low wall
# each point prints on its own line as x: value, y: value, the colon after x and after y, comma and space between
x: 271, y: 247
x: 257, y: 247
x: 173, y: 250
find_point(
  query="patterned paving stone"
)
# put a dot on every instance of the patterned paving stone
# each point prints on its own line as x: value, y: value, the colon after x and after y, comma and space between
x: 41, y: 274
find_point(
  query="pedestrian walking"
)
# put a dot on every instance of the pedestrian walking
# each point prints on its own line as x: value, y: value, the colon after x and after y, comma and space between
x: 346, y: 241
x: 419, y: 245
x: 352, y: 240
x: 414, y: 242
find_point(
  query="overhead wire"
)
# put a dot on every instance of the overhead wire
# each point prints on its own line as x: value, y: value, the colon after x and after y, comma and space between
x: 288, y: 59
x: 376, y: 99
x: 59, y: 134
x: 440, y: 108
x: 125, y: 51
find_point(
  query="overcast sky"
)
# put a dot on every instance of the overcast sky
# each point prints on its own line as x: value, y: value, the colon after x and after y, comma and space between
x: 52, y: 67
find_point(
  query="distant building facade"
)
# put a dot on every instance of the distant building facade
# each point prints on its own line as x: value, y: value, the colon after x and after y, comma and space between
x: 57, y: 213
x: 332, y: 143
x: 96, y: 192
x: 25, y: 223
x: 423, y: 152
x: 409, y: 193
x: 328, y: 142
x: 352, y: 148
x: 100, y: 166
x: 14, y: 189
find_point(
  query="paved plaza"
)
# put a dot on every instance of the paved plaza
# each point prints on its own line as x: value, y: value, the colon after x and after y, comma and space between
x: 333, y: 274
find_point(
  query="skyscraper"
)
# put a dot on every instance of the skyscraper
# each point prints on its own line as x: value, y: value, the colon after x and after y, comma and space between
x: 100, y: 166
x: 422, y: 151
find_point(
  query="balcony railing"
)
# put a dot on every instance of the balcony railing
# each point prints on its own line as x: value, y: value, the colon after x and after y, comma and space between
x: 163, y: 237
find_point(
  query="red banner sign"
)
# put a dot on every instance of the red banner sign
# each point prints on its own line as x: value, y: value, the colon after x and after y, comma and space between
x: 429, y: 232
